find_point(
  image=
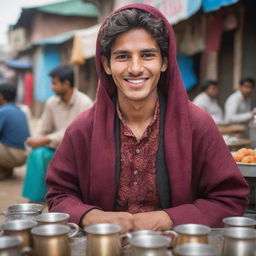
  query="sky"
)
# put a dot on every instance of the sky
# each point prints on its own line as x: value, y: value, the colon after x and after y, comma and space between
x: 10, y: 12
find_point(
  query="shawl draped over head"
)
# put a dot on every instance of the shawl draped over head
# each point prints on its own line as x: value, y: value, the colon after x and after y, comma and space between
x: 177, y: 125
x: 204, y: 181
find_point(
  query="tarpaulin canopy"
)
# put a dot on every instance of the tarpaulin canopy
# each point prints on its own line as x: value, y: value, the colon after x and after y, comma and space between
x: 84, y: 44
x: 59, y: 39
x: 174, y: 10
x: 85, y: 39
x: 177, y: 10
x: 212, y: 5
x: 18, y: 64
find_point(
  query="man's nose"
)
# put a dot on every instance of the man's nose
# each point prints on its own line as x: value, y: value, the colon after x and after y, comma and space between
x: 135, y: 66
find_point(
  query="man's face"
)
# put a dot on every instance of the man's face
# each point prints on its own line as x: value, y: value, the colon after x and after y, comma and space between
x: 212, y: 91
x: 58, y: 87
x: 246, y: 89
x: 135, y: 65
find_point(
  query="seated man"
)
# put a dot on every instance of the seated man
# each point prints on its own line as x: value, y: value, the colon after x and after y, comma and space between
x: 238, y: 107
x: 59, y: 111
x: 143, y: 156
x: 207, y: 100
x: 14, y: 130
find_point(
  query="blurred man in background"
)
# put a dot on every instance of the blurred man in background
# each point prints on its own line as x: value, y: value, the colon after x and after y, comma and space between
x: 14, y: 130
x: 207, y: 100
x: 238, y: 107
x: 58, y: 113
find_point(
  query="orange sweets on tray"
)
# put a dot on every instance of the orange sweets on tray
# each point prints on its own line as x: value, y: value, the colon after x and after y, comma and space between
x: 245, y: 155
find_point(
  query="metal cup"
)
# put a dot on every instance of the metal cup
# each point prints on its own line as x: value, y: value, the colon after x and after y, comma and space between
x: 57, y: 218
x: 196, y: 249
x: 51, y: 240
x: 142, y: 232
x: 192, y: 233
x: 239, y: 241
x: 22, y: 211
x: 244, y: 222
x: 149, y: 245
x: 21, y: 229
x: 172, y: 235
x: 103, y: 240
x: 10, y: 246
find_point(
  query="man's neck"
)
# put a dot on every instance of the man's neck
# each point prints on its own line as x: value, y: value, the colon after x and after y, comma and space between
x: 138, y: 115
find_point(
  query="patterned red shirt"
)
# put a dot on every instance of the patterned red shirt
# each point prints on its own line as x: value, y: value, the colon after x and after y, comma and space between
x: 137, y: 191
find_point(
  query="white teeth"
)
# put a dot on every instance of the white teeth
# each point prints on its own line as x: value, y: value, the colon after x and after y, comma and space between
x: 136, y: 81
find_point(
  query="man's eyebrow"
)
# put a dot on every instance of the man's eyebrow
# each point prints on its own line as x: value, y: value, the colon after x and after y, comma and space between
x: 143, y: 51
x: 150, y: 50
x: 120, y: 52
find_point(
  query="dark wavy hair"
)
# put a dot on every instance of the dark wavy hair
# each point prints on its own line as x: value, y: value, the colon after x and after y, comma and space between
x: 248, y: 80
x: 206, y: 84
x: 8, y: 91
x: 63, y: 72
x: 128, y: 19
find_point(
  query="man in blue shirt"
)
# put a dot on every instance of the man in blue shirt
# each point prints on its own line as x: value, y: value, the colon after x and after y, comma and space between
x: 14, y: 130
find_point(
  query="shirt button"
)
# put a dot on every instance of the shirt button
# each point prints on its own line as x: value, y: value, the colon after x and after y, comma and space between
x: 137, y: 151
x: 135, y: 172
x: 135, y: 183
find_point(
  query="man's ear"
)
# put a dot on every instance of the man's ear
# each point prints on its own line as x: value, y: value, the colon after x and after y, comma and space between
x: 106, y: 65
x: 164, y: 64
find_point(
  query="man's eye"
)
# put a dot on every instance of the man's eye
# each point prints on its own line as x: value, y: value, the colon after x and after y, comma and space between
x: 122, y: 57
x: 148, y: 55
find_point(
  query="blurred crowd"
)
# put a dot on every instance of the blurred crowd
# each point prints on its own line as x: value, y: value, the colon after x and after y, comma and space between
x: 18, y: 146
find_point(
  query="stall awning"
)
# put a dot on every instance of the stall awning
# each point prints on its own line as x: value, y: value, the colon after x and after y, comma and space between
x: 59, y: 39
x: 84, y: 44
x: 174, y: 10
x: 18, y: 64
x: 213, y: 5
x: 85, y: 39
x: 177, y: 10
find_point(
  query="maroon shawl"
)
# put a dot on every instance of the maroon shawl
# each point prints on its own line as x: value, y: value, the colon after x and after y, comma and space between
x: 204, y: 181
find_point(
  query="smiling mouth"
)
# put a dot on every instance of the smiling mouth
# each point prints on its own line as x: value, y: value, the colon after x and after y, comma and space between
x: 136, y: 82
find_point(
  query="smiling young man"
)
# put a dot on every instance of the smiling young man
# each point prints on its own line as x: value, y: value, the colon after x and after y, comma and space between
x: 143, y: 156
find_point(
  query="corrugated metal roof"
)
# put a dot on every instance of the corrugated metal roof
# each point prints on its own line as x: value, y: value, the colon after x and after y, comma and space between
x: 65, y: 8
x: 71, y: 8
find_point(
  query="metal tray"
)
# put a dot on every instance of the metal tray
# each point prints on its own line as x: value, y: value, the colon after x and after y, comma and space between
x: 248, y: 170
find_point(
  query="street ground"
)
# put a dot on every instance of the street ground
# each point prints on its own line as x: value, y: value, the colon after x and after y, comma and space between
x: 11, y: 189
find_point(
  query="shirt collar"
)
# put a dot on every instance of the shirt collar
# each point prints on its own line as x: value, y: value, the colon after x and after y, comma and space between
x: 155, y: 117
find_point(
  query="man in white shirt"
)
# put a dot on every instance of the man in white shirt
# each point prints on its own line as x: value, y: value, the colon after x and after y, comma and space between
x: 207, y: 100
x: 59, y: 111
x: 238, y: 107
